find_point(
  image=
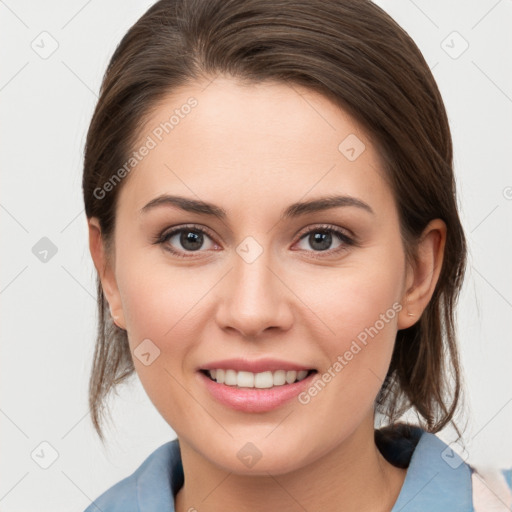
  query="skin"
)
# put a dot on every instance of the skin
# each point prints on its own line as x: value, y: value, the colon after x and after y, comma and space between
x: 253, y: 150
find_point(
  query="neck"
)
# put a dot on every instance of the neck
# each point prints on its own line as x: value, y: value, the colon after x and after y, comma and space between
x: 353, y: 477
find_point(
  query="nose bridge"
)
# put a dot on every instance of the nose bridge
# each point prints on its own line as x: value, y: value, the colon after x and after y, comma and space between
x: 252, y: 281
x: 252, y: 276
x: 254, y: 297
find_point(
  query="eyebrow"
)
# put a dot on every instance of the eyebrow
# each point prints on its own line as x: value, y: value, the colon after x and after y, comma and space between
x: 292, y: 211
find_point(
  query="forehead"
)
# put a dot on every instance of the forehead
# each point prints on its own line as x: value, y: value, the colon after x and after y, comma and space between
x: 246, y: 144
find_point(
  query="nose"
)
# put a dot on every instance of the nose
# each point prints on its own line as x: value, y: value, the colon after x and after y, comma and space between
x: 255, y: 298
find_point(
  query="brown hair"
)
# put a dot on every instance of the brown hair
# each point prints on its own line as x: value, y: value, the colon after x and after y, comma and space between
x: 350, y: 51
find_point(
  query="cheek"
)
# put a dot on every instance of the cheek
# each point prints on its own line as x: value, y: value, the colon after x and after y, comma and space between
x: 358, y: 307
x: 351, y: 299
x: 159, y: 306
x: 158, y: 300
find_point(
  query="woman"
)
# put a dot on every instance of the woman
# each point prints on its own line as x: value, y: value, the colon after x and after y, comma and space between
x: 231, y: 138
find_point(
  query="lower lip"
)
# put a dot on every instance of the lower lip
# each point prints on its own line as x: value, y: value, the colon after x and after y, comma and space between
x: 255, y: 399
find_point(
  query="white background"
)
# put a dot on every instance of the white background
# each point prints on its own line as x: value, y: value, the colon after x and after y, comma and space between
x: 49, y: 309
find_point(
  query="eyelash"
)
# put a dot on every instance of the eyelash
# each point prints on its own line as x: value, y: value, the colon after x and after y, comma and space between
x: 164, y: 237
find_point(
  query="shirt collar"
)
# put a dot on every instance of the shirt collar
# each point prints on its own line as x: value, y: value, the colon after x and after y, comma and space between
x: 437, y: 478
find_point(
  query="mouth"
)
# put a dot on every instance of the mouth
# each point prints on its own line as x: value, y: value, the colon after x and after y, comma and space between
x: 261, y: 380
x: 249, y: 392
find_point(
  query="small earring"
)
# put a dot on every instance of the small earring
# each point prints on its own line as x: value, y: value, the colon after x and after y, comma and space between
x: 410, y: 314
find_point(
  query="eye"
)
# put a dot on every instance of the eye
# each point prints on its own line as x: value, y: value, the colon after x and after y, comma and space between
x: 320, y: 238
x: 191, y: 238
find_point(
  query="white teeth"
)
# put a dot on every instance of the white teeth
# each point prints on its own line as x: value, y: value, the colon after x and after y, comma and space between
x: 263, y: 380
x: 230, y: 378
x: 301, y: 374
x: 279, y: 378
x: 245, y: 380
x: 291, y: 375
x: 260, y: 380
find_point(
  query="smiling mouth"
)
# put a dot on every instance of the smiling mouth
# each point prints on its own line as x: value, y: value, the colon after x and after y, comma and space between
x: 261, y: 380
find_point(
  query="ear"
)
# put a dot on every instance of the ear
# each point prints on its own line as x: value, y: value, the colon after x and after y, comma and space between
x: 422, y: 278
x: 106, y: 271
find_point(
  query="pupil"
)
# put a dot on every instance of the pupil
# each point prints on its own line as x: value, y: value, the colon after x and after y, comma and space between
x: 191, y: 241
x: 324, y: 239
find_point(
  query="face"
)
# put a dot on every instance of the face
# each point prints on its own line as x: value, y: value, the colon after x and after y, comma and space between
x: 291, y: 288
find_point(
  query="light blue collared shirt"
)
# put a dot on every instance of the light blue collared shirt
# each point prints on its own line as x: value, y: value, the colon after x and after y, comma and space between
x: 437, y: 480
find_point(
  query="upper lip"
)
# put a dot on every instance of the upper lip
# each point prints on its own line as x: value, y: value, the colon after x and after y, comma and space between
x: 254, y: 366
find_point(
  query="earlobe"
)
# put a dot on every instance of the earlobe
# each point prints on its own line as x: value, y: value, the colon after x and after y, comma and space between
x: 106, y: 272
x: 423, y: 277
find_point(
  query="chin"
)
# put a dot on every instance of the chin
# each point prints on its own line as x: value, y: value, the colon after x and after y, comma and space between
x: 259, y: 457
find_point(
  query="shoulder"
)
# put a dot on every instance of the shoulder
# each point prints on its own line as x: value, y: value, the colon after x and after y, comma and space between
x: 152, y: 480
x: 489, y: 488
x: 438, y: 478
